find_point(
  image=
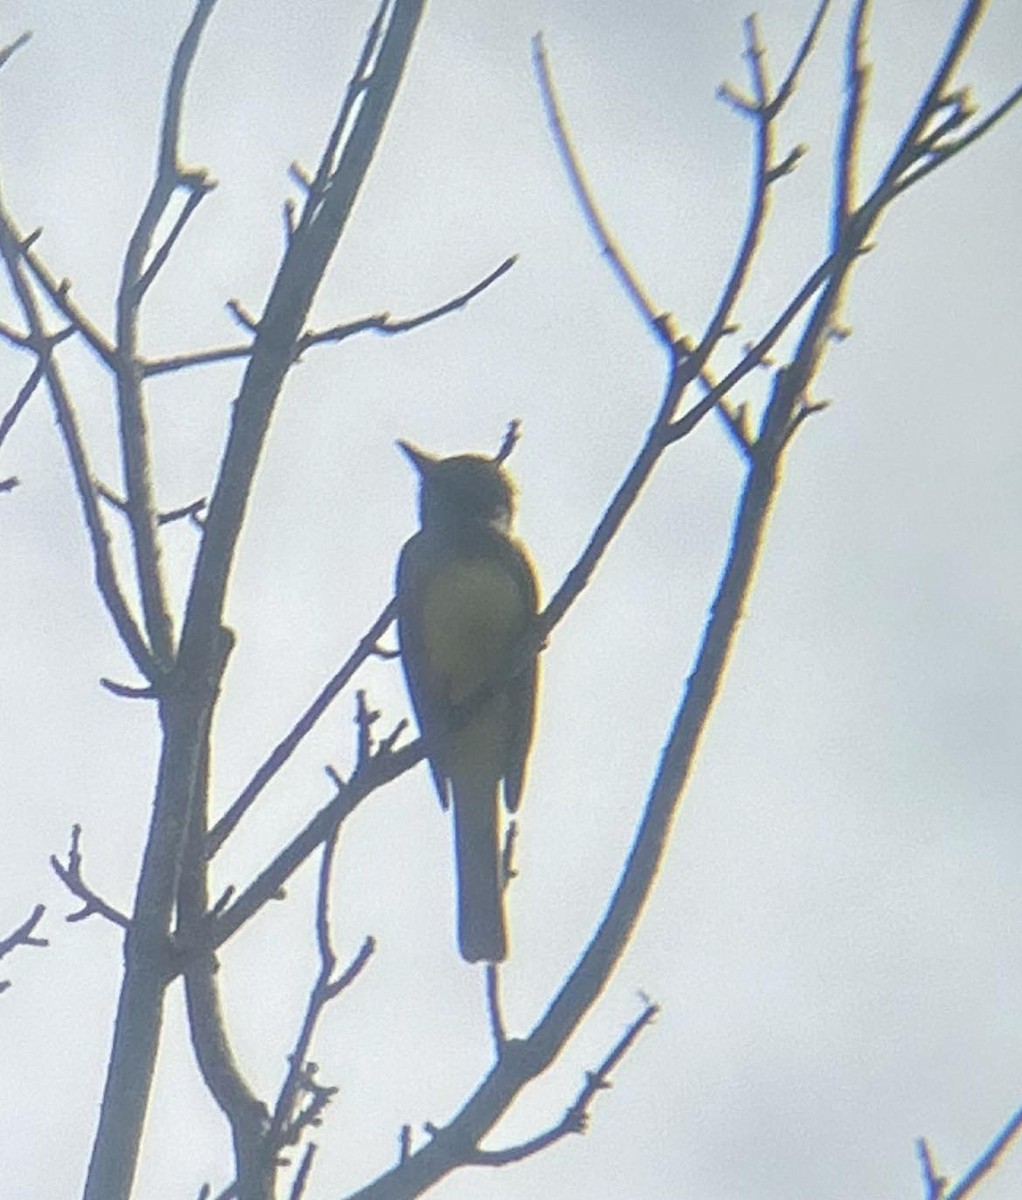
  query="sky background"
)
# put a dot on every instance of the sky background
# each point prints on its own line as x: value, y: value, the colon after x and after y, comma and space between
x: 834, y: 938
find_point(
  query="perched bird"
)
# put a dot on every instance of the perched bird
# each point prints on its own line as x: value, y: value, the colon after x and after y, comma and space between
x: 466, y: 593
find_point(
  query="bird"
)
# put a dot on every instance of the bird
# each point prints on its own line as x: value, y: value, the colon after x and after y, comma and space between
x: 466, y: 597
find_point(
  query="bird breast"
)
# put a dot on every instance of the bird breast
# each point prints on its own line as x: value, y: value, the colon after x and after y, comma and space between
x: 473, y: 611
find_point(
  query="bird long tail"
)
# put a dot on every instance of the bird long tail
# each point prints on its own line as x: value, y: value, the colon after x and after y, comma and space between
x: 482, y: 934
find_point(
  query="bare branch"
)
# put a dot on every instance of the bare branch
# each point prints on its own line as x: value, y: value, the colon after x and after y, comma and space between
x: 163, y: 518
x: 71, y: 877
x: 576, y: 1118
x: 511, y: 438
x: 303, y: 1172
x: 24, y: 935
x: 58, y: 292
x: 302, y: 727
x: 199, y: 358
x: 763, y: 115
x: 934, y: 1183
x: 301, y: 1100
x: 498, y: 1030
x: 13, y: 47
x: 74, y: 445
x: 328, y: 163
x: 385, y: 324
x: 136, y: 278
x: 197, y: 193
x: 987, y: 1161
x: 940, y: 154
x: 242, y: 316
x: 934, y: 96
x: 658, y: 321
x: 24, y: 395
x: 790, y: 83
x: 856, y: 82
x: 127, y: 691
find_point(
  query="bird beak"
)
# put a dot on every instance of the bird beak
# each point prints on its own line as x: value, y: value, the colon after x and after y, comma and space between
x: 419, y: 459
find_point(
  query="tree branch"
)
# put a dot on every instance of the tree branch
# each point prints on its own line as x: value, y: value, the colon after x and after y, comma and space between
x: 23, y: 935
x: 71, y: 877
x: 105, y: 573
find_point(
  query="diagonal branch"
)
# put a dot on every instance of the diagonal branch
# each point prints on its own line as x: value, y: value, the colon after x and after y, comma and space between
x: 74, y: 445
x: 384, y: 323
x: 280, y: 754
x: 576, y: 1118
x: 71, y: 877
x: 23, y: 935
x: 136, y: 278
x: 355, y: 90
x: 25, y: 393
x: 856, y: 80
x: 305, y: 261
x: 658, y: 321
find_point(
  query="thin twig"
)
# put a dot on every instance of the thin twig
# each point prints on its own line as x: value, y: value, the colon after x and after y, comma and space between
x: 196, y: 194
x: 934, y: 1182
x: 289, y: 1120
x: 385, y: 324
x: 136, y: 278
x: 303, y: 1172
x: 498, y: 1030
x: 71, y: 877
x: 941, y: 154
x: 576, y: 1118
x: 13, y: 47
x: 23, y: 397
x: 988, y: 1159
x: 300, y: 730
x: 74, y: 445
x: 23, y: 935
x: 198, y: 358
x: 658, y: 321
x: 58, y: 292
x: 790, y: 82
x: 328, y: 163
x: 856, y: 81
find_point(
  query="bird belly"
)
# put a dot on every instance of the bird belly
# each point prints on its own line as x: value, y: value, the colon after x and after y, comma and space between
x: 473, y: 611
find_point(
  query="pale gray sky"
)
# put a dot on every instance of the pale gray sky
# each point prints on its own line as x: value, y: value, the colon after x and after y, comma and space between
x: 835, y: 934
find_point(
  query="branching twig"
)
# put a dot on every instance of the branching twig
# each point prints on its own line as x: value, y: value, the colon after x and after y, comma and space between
x: 23, y: 936
x: 987, y: 1161
x: 576, y: 1118
x: 289, y: 1120
x: 136, y: 278
x: 74, y: 445
x: 659, y: 321
x: 934, y: 1183
x: 315, y: 189
x: 384, y: 323
x: 71, y: 877
x: 301, y: 728
x: 58, y: 292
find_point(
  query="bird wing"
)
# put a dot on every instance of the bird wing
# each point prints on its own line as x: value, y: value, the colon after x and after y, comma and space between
x: 430, y: 713
x: 521, y: 689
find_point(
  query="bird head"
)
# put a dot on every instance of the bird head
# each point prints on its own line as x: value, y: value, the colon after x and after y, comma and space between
x: 464, y: 492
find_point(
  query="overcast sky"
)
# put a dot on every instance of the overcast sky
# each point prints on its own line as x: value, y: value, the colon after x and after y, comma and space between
x: 835, y: 937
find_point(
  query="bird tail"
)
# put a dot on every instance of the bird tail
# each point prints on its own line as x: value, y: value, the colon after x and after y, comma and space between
x: 482, y: 935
